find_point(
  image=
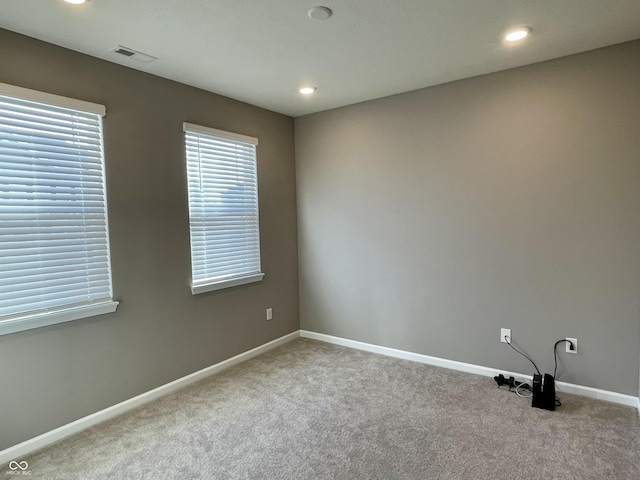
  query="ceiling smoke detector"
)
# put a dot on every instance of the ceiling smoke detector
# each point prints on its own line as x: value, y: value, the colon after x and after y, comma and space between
x: 320, y: 13
x: 134, y: 54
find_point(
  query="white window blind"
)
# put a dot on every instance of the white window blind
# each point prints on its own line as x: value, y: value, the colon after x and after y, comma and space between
x: 54, y: 245
x: 223, y: 208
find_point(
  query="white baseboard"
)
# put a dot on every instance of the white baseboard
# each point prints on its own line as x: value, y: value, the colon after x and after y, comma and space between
x: 590, y: 392
x: 41, y: 441
x: 48, y: 438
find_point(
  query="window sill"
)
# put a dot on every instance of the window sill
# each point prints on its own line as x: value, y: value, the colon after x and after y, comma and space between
x: 219, y: 285
x: 50, y: 318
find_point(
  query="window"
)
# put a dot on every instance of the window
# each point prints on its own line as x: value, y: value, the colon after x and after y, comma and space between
x: 223, y: 208
x: 54, y: 242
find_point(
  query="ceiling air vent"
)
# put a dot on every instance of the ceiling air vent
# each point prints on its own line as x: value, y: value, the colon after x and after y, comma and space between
x: 134, y: 54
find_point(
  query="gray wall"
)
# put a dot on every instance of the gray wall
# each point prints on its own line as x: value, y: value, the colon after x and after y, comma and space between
x: 429, y: 220
x: 53, y: 375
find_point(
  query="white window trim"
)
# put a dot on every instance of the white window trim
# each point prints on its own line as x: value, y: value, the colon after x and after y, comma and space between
x: 203, y: 287
x: 192, y: 127
x: 51, y: 99
x: 45, y: 318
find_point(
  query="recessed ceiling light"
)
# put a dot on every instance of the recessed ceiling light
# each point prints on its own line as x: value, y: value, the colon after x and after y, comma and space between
x: 308, y: 89
x: 516, y: 34
x: 320, y: 13
x: 75, y: 2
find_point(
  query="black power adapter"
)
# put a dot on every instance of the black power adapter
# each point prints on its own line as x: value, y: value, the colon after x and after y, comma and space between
x: 510, y: 382
x: 502, y: 380
x: 544, y: 392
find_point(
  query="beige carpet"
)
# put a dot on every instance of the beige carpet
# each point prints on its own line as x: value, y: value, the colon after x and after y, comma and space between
x: 310, y: 410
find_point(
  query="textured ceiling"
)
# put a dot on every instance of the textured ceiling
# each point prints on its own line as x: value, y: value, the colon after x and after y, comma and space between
x: 261, y: 51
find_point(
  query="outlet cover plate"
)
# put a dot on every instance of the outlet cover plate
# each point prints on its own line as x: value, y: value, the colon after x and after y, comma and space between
x: 575, y: 345
x: 505, y: 332
x: 269, y: 313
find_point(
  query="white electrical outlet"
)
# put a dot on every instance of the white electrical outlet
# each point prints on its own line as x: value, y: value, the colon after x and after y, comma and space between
x: 575, y: 345
x: 269, y: 313
x: 505, y: 332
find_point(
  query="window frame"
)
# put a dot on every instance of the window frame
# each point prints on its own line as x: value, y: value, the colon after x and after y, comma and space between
x: 27, y: 320
x: 213, y: 284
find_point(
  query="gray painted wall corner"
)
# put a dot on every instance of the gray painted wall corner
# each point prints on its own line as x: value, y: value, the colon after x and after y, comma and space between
x: 429, y: 220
